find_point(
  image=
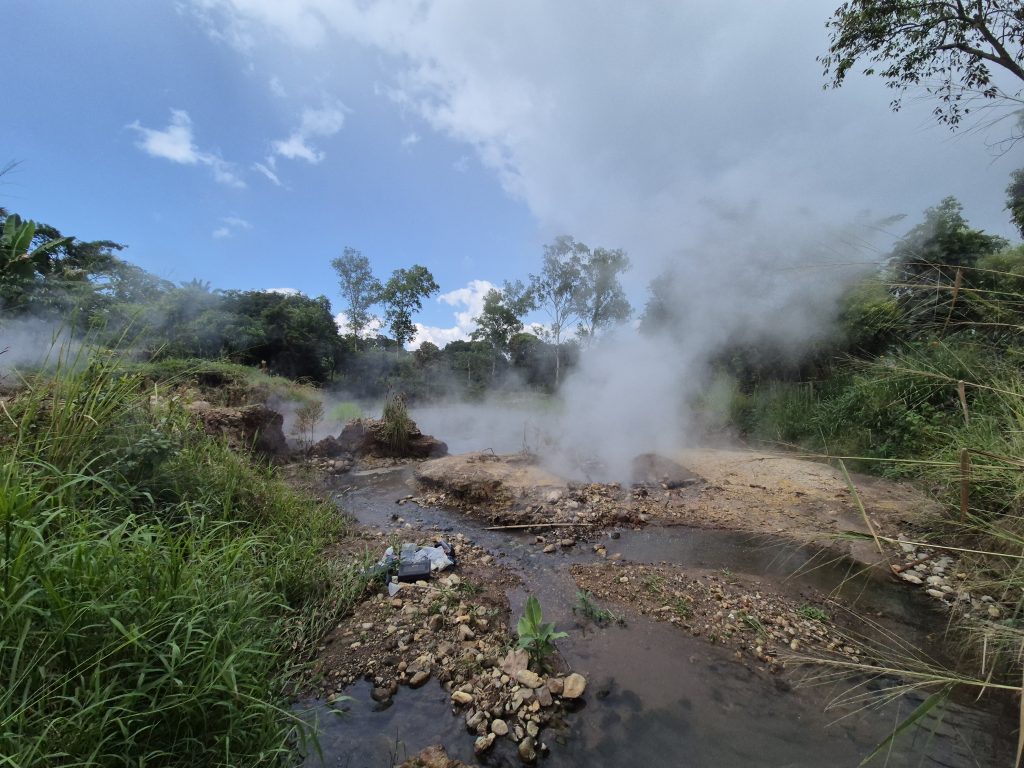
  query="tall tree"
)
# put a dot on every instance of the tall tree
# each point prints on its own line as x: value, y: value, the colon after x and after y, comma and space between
x: 501, y: 319
x: 948, y: 47
x: 601, y: 299
x: 402, y: 295
x: 558, y: 288
x: 359, y: 288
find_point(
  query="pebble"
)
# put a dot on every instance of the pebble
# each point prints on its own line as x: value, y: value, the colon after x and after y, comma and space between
x: 936, y: 593
x: 550, y: 548
x: 573, y: 686
x: 419, y: 679
x: 527, y: 750
x: 566, y: 542
x: 993, y: 611
x: 499, y: 727
x: 529, y: 679
x: 483, y: 743
x: 461, y: 697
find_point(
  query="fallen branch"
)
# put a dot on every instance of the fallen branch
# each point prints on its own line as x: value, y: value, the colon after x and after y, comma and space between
x: 536, y: 525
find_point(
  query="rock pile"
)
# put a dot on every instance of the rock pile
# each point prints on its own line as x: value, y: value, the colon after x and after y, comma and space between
x: 936, y: 574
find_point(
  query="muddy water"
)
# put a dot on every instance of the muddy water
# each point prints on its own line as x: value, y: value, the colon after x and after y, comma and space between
x: 657, y: 696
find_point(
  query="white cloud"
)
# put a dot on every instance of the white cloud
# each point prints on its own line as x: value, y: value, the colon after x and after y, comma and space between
x: 229, y: 226
x: 277, y: 88
x: 372, y: 328
x: 471, y: 299
x: 284, y: 291
x: 410, y: 140
x: 267, y: 172
x: 175, y: 143
x: 315, y: 123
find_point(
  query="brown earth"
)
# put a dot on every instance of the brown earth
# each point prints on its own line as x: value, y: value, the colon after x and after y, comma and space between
x: 249, y: 428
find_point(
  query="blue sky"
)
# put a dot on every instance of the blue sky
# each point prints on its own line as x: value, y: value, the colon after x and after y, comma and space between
x: 458, y: 135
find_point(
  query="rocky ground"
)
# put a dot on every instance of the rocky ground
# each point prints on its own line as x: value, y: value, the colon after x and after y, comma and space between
x: 452, y: 630
x: 763, y: 626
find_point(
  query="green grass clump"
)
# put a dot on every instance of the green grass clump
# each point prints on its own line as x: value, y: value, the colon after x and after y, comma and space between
x: 158, y: 589
x: 395, y: 428
x: 346, y: 411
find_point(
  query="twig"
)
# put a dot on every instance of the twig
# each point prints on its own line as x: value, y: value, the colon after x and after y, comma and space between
x: 537, y: 525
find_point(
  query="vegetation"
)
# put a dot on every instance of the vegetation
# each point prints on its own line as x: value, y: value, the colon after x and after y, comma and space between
x: 948, y: 48
x: 395, y: 427
x: 587, y: 607
x: 158, y: 588
x: 535, y: 636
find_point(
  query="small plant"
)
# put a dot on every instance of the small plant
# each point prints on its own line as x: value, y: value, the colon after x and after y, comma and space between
x: 681, y: 606
x: 307, y: 417
x: 754, y: 623
x: 586, y: 606
x: 815, y: 614
x: 653, y: 584
x: 395, y: 428
x: 535, y: 636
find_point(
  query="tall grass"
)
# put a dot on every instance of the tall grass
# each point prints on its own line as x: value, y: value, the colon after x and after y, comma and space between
x: 157, y: 589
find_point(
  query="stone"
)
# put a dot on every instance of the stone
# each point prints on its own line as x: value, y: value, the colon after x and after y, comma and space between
x: 556, y: 685
x: 993, y: 611
x: 465, y: 633
x: 573, y: 686
x: 910, y: 578
x: 419, y: 679
x: 527, y: 750
x: 380, y: 695
x: 543, y: 695
x: 566, y: 542
x: 462, y: 698
x: 550, y: 548
x: 935, y: 581
x: 483, y: 743
x: 936, y: 593
x: 532, y: 729
x: 499, y: 727
x: 529, y: 679
x: 515, y: 660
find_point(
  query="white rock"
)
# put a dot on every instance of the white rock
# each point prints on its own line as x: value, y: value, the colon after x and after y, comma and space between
x: 573, y: 686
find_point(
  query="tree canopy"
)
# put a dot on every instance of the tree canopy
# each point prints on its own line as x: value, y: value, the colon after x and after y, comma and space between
x: 951, y: 48
x: 402, y: 295
x: 360, y: 290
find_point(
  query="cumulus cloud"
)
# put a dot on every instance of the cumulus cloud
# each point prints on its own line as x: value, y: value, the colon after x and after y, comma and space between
x: 229, y: 226
x: 471, y: 301
x: 315, y: 123
x: 372, y: 328
x: 176, y: 143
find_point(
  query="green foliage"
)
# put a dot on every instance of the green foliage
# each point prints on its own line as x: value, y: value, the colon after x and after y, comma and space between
x: 395, y: 427
x: 359, y: 288
x: 589, y: 609
x: 156, y: 585
x: 535, y: 636
x: 949, y: 49
x: 1015, y: 199
x: 814, y: 613
x: 402, y: 295
x: 307, y: 416
x: 346, y: 411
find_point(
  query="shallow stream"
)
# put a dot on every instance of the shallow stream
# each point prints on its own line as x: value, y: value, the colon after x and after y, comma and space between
x: 656, y: 695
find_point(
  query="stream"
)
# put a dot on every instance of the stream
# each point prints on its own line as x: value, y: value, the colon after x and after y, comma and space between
x: 656, y: 695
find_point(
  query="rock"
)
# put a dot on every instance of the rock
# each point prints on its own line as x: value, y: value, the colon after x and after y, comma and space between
x: 462, y: 698
x: 910, y: 577
x: 936, y: 593
x: 527, y: 750
x: 935, y: 581
x: 499, y: 727
x: 573, y: 686
x: 515, y: 660
x: 553, y: 497
x: 529, y: 679
x: 362, y: 437
x: 483, y: 743
x: 543, y: 695
x: 993, y: 611
x: 566, y: 543
x: 465, y: 633
x: 380, y: 695
x: 532, y: 729
x: 433, y: 757
x: 419, y: 679
x: 556, y: 686
x: 550, y: 548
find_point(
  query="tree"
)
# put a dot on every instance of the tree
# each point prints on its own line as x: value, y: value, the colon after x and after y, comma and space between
x: 948, y: 47
x: 402, y: 295
x: 501, y: 319
x: 24, y: 257
x: 1015, y: 199
x: 558, y: 288
x: 359, y: 288
x: 601, y: 299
